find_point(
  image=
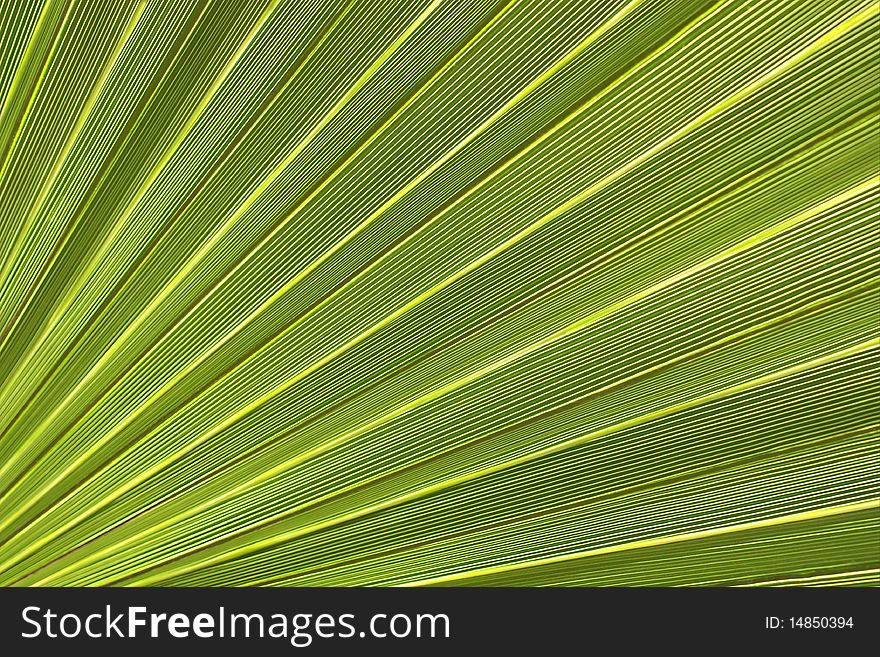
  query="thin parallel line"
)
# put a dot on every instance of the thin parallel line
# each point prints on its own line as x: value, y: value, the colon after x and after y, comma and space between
x: 377, y: 382
x: 810, y: 309
x: 22, y: 120
x: 376, y: 65
x: 264, y: 108
x: 553, y: 449
x: 132, y: 327
x: 656, y: 542
x: 32, y: 93
x: 23, y: 447
x: 207, y: 246
x: 593, y: 317
x: 567, y: 331
x: 101, y: 176
x: 433, y: 290
x: 74, y: 134
x: 728, y: 339
x: 552, y: 215
x: 546, y: 74
x: 571, y: 506
x: 85, y: 272
x: 738, y: 337
x: 789, y: 581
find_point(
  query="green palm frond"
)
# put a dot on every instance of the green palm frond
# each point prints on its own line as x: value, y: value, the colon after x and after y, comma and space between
x: 456, y: 292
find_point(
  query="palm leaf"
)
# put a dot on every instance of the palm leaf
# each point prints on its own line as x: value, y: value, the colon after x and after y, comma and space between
x: 450, y: 292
